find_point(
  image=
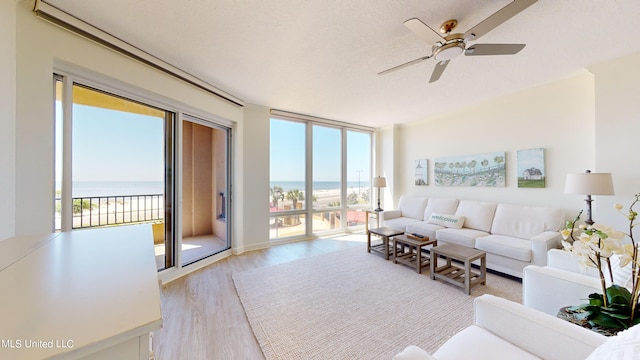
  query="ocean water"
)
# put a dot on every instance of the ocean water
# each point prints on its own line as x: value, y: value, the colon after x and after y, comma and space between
x: 115, y: 188
x: 319, y: 185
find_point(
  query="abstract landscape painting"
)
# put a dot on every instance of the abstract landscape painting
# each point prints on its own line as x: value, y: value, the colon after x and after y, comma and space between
x: 531, y: 172
x: 486, y: 170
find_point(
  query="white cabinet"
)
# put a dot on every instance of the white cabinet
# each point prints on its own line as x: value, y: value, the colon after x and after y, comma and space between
x: 84, y: 294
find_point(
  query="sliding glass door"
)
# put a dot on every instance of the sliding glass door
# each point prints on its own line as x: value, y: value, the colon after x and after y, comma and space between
x: 205, y: 189
x: 118, y: 163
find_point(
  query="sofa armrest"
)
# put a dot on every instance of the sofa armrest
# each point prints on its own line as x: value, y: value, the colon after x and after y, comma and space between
x: 389, y: 214
x: 565, y: 260
x: 541, y: 334
x: 542, y: 243
x: 548, y: 289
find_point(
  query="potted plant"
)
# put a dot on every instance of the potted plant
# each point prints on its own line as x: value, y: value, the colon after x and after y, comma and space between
x: 617, y: 306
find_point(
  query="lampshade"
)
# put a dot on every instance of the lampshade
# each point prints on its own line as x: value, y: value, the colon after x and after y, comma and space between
x: 379, y: 182
x: 589, y: 184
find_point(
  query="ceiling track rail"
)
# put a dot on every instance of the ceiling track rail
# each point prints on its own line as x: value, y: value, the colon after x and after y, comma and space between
x: 287, y: 115
x: 67, y: 21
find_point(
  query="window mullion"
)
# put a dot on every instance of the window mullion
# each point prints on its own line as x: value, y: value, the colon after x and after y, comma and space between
x: 66, y: 214
x: 343, y: 179
x: 308, y: 198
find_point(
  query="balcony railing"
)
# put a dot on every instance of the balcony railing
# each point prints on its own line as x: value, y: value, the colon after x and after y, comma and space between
x: 115, y: 210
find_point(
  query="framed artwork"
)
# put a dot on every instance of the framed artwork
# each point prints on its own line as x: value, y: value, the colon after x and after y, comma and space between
x: 483, y: 170
x: 531, y: 173
x: 421, y: 172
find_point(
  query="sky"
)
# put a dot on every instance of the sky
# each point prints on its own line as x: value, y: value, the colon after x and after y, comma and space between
x: 287, y: 146
x: 111, y: 145
x: 531, y: 158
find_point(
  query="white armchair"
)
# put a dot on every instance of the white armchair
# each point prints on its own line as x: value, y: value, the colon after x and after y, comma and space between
x: 504, y: 329
x: 562, y: 282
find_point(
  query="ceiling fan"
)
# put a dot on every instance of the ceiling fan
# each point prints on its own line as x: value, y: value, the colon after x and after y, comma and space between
x: 447, y: 46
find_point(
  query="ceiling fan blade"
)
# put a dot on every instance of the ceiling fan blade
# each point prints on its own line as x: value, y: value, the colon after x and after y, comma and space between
x: 493, y: 49
x: 498, y: 18
x: 424, y: 31
x: 438, y: 70
x: 404, y: 65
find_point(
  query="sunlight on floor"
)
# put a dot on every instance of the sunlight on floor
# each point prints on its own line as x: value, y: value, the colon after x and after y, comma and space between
x: 358, y: 237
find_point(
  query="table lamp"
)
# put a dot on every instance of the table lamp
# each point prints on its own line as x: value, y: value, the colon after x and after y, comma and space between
x: 379, y: 182
x: 589, y: 183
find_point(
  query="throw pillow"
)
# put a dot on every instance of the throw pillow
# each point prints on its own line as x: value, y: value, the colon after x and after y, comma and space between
x: 450, y: 221
x: 625, y: 345
x: 622, y: 276
x: 413, y: 352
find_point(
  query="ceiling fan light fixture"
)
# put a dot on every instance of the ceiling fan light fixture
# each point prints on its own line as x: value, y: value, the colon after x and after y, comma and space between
x: 448, y: 51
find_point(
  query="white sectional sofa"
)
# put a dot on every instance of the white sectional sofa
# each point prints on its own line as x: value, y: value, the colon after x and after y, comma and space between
x: 506, y: 330
x: 513, y: 236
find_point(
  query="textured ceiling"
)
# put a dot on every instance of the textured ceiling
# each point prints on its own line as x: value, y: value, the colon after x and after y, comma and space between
x: 321, y: 57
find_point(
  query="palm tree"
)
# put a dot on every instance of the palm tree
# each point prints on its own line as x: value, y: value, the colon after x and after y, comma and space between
x: 295, y: 195
x: 276, y: 193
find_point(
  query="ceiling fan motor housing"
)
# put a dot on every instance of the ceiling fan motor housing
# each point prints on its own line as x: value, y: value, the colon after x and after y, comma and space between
x: 454, y: 46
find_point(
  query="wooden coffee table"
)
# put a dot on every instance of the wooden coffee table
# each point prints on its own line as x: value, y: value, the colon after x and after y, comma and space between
x: 412, y: 256
x: 385, y: 233
x: 464, y: 277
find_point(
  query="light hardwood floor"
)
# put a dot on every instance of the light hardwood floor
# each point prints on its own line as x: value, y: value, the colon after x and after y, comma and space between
x: 202, y: 315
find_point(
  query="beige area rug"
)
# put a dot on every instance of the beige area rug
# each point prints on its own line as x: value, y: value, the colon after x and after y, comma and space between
x: 355, y: 305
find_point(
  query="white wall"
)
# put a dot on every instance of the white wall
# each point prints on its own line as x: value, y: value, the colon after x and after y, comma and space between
x: 40, y: 46
x: 7, y: 118
x: 385, y: 150
x: 558, y: 117
x: 253, y: 179
x: 617, y: 141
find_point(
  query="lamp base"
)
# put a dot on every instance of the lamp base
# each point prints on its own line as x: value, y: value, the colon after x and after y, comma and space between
x: 589, y: 221
x: 378, y: 210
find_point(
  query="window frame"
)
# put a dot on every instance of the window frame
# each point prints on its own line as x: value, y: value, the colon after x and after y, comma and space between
x: 181, y: 112
x: 309, y: 211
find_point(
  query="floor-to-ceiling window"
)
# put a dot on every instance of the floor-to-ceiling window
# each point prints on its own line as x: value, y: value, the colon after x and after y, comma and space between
x: 327, y: 178
x: 319, y: 170
x: 358, y: 176
x: 288, y: 182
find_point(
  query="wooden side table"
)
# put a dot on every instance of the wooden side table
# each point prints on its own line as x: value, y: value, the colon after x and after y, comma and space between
x: 413, y: 255
x: 368, y: 214
x: 385, y: 234
x: 459, y: 276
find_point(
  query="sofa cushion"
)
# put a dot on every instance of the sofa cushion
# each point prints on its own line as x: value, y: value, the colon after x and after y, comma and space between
x: 480, y: 344
x: 465, y: 237
x: 622, y: 275
x: 526, y: 221
x: 423, y: 228
x: 399, y: 223
x: 507, y: 246
x: 443, y: 206
x: 450, y: 221
x: 624, y: 345
x: 478, y: 215
x: 412, y: 206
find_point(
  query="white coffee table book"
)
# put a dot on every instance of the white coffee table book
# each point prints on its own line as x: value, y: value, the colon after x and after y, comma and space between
x: 84, y: 294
